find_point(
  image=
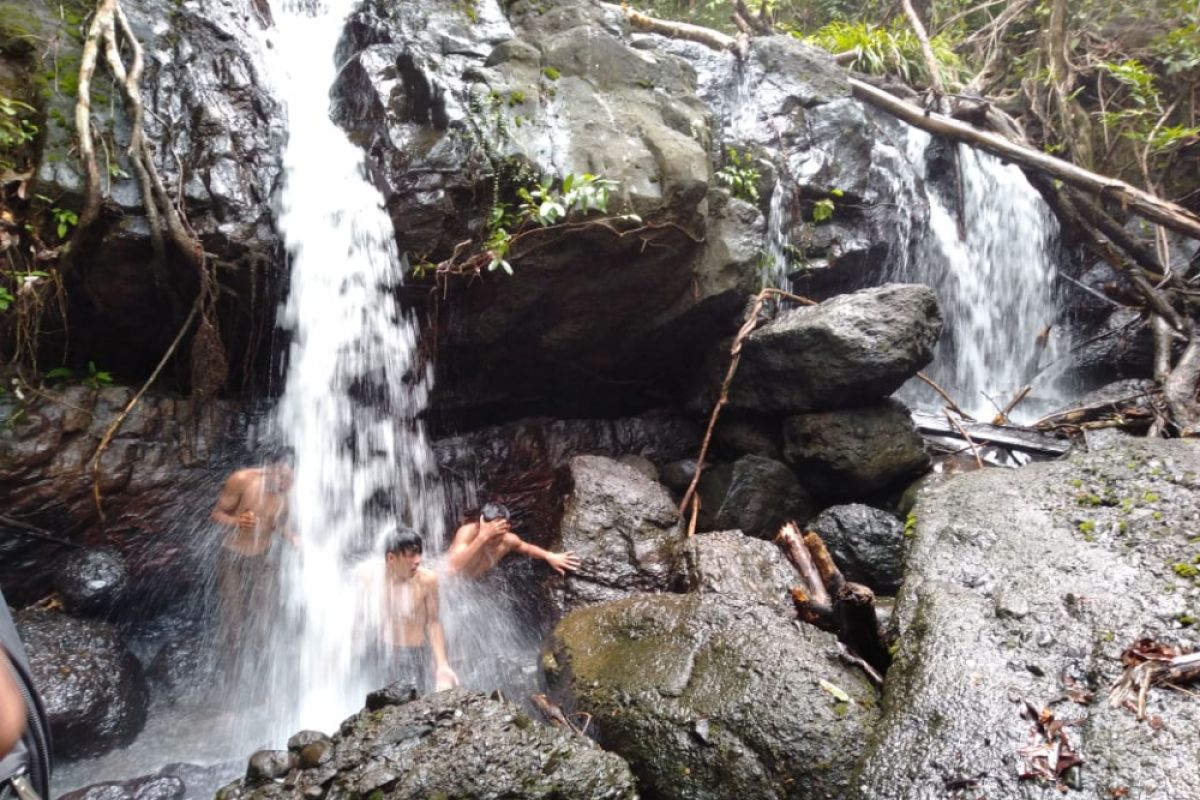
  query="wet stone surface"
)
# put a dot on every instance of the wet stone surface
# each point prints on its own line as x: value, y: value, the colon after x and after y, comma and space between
x: 1020, y: 582
x: 451, y: 744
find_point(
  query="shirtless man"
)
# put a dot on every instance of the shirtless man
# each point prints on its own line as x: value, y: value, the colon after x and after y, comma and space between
x: 412, y: 625
x: 252, y: 509
x: 479, y: 546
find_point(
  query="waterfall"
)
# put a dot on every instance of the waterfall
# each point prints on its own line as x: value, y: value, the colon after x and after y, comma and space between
x: 354, y: 389
x: 993, y: 272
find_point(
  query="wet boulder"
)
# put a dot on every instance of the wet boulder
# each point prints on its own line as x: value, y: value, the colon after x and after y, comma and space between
x: 1027, y: 585
x: 711, y: 696
x: 625, y: 529
x: 91, y: 581
x: 763, y: 495
x: 856, y: 451
x: 92, y: 685
x: 867, y: 544
x: 450, y: 744
x: 149, y: 787
x: 845, y: 351
x: 732, y: 564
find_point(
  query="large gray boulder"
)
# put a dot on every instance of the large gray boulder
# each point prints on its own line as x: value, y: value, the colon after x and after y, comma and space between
x: 451, y: 744
x: 711, y: 696
x: 732, y: 564
x: 92, y: 685
x: 1024, y: 584
x: 625, y: 529
x: 867, y: 544
x: 762, y: 496
x: 846, y: 351
x: 856, y: 451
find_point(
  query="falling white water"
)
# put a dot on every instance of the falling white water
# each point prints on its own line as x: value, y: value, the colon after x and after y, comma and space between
x: 353, y: 391
x: 994, y: 279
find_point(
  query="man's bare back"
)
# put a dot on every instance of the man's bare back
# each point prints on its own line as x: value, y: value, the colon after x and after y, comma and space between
x: 253, y: 504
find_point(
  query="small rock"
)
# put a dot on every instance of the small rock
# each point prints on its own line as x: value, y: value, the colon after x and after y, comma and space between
x: 395, y: 694
x: 267, y: 765
x: 91, y: 581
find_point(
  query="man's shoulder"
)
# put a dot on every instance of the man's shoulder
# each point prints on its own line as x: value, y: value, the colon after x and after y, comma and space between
x: 426, y: 577
x: 467, y: 529
x: 242, y: 476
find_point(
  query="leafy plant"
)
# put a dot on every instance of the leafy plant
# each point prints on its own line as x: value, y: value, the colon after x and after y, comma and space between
x: 881, y: 51
x: 16, y: 126
x: 64, y: 218
x: 544, y: 204
x: 740, y: 175
x: 823, y: 208
x: 95, y: 378
x: 6, y: 298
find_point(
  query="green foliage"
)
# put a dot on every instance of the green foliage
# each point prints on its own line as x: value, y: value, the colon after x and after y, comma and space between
x: 6, y: 298
x: 94, y: 379
x: 547, y: 202
x: 64, y: 218
x: 16, y: 128
x: 884, y: 51
x: 740, y: 175
x: 551, y: 74
x: 1185, y: 570
x: 823, y: 208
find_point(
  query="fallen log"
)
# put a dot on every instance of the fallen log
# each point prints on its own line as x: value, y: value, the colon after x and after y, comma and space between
x: 1026, y: 440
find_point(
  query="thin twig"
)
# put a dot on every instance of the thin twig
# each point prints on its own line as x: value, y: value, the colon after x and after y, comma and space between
x: 38, y: 533
x: 946, y: 397
x: 116, y: 424
x: 967, y: 436
x: 1021, y: 395
x: 735, y: 355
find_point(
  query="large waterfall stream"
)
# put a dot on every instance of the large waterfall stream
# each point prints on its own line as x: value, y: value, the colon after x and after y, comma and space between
x: 993, y: 272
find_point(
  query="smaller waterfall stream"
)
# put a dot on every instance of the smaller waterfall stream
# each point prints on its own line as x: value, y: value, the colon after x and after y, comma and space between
x: 993, y: 272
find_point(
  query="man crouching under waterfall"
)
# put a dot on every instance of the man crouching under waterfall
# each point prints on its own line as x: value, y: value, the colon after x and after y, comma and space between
x: 412, y: 628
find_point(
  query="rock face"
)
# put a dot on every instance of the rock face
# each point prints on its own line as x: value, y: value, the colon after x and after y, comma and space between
x: 846, y: 351
x: 91, y: 581
x: 1019, y: 581
x: 217, y: 134
x: 93, y: 687
x: 708, y: 696
x: 450, y: 744
x: 855, y: 451
x: 625, y: 530
x: 762, y: 496
x: 867, y: 544
x: 163, y: 458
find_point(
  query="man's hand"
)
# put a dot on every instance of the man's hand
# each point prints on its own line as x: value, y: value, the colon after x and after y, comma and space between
x: 247, y: 521
x: 445, y: 678
x: 496, y: 529
x: 561, y: 562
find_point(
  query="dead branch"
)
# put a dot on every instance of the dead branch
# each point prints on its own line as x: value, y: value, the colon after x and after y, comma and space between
x: 685, y: 30
x: 931, y: 63
x: 963, y: 432
x: 116, y: 424
x: 828, y: 601
x: 735, y: 356
x: 949, y: 400
x: 1002, y: 417
x: 793, y: 544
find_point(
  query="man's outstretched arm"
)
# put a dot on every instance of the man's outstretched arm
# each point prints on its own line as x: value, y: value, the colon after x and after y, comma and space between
x: 444, y: 677
x: 559, y: 562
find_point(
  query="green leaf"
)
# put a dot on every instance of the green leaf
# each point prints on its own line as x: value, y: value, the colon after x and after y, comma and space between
x: 60, y: 374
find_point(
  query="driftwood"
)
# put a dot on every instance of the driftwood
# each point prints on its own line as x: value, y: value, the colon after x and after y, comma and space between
x: 1149, y: 663
x: 1025, y: 440
x: 824, y: 598
x: 555, y: 716
x: 1136, y: 410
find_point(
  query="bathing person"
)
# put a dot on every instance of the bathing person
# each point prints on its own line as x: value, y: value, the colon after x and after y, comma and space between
x: 24, y: 733
x: 412, y: 628
x: 480, y: 545
x: 252, y: 510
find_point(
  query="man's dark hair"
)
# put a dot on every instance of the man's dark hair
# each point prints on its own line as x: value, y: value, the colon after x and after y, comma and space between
x: 403, y: 541
x: 493, y: 511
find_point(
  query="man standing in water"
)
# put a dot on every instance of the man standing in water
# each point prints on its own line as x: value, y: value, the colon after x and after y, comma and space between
x: 253, y: 509
x: 412, y: 625
x: 480, y: 545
